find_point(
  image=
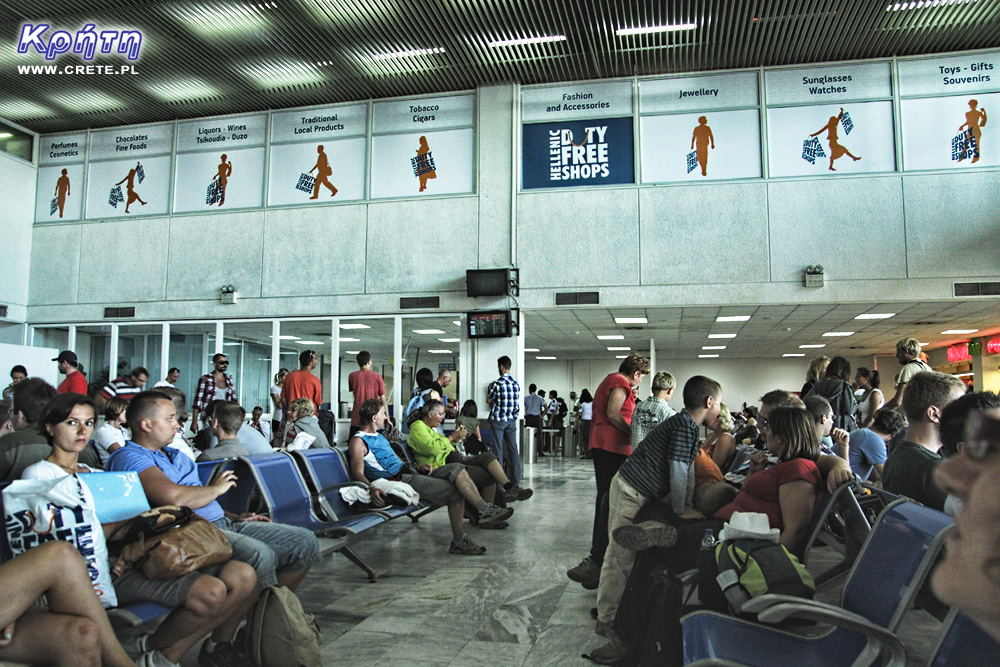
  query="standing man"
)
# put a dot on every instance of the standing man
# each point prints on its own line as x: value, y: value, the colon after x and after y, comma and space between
x: 302, y: 383
x: 444, y: 379
x: 214, y: 386
x: 125, y: 386
x: 173, y: 375
x: 364, y: 383
x: 908, y: 355
x: 503, y: 397
x: 69, y: 365
x: 533, y: 408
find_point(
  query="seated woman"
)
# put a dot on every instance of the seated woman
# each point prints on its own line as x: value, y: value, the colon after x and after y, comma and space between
x: 786, y: 492
x: 210, y: 601
x: 431, y: 448
x: 113, y: 433
x: 720, y: 443
x: 302, y: 419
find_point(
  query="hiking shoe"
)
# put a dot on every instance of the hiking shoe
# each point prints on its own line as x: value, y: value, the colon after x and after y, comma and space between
x: 642, y: 536
x: 612, y: 653
x: 585, y: 572
x: 137, y: 645
x: 492, y: 514
x: 591, y: 584
x: 517, y: 493
x: 497, y: 525
x: 605, y: 630
x: 466, y: 547
x: 224, y: 655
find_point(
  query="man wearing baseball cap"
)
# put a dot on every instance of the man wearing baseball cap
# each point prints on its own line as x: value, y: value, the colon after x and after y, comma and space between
x: 74, y: 383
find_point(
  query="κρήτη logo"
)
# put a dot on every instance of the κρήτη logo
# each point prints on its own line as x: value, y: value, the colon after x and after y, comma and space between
x: 84, y: 43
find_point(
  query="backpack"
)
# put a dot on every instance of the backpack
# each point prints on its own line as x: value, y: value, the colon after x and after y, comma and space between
x: 657, y: 638
x: 751, y: 568
x: 279, y: 633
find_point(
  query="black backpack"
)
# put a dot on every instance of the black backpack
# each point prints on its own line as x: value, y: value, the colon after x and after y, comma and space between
x: 658, y: 641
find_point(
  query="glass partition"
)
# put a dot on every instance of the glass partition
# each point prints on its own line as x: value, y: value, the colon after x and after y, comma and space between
x: 371, y: 335
x: 140, y: 345
x: 93, y: 349
x: 191, y: 350
x: 434, y: 343
x: 248, y: 347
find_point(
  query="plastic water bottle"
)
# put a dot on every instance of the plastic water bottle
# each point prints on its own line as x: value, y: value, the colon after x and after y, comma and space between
x: 708, y: 541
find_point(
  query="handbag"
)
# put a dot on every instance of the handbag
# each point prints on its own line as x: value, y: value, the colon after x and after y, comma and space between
x: 168, y: 542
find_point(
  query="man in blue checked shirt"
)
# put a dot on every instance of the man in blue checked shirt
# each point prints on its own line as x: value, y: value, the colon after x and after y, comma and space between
x: 503, y: 395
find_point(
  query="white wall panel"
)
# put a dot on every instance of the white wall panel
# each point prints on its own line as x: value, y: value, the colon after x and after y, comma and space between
x: 207, y: 252
x: 16, y: 215
x: 55, y: 264
x: 124, y: 261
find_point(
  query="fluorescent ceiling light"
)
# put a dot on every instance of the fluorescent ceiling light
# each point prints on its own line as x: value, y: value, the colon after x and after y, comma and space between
x: 531, y: 349
x: 349, y: 340
x: 875, y: 316
x: 838, y: 333
x: 224, y: 20
x: 631, y: 320
x: 960, y: 331
x: 181, y: 90
x: 611, y: 337
x: 5, y: 135
x: 924, y: 344
x: 457, y: 323
x: 733, y: 318
x: 286, y: 337
x: 546, y: 358
x: 812, y: 347
x: 440, y: 351
x: 621, y: 356
x: 24, y: 109
x: 707, y: 356
x: 527, y: 40
x: 354, y: 325
x: 353, y: 352
x: 407, y: 54
x: 925, y: 4
x: 964, y: 375
x: 450, y: 340
x: 231, y: 344
x: 309, y: 342
x: 793, y: 355
x: 722, y: 335
x: 275, y: 74
x: 87, y: 101
x: 626, y: 348
x: 713, y: 347
x: 428, y: 332
x: 622, y: 32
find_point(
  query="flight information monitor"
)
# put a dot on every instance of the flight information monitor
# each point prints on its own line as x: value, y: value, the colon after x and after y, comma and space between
x: 490, y: 324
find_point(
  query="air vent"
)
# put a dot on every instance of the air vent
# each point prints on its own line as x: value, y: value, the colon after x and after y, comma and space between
x: 977, y: 289
x: 3, y: 311
x: 421, y: 302
x: 125, y: 311
x: 578, y: 298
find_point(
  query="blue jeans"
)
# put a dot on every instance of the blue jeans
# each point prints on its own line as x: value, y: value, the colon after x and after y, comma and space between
x: 505, y: 444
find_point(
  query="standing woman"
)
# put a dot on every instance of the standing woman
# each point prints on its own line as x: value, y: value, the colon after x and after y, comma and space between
x: 816, y: 369
x: 610, y: 445
x: 586, y: 416
x: 873, y: 399
x: 836, y: 388
x: 277, y: 415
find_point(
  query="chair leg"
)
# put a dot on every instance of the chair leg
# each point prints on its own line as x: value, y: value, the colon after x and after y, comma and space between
x: 415, y: 517
x: 357, y: 560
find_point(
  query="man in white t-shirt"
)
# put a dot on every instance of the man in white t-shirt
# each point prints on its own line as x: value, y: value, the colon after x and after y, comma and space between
x: 907, y: 353
x: 173, y: 375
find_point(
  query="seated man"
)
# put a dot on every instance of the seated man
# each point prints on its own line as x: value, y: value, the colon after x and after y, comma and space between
x: 372, y: 458
x: 249, y: 438
x: 833, y: 441
x: 868, y: 450
x: 953, y: 422
x: 280, y: 554
x: 432, y: 448
x: 262, y: 427
x: 227, y: 418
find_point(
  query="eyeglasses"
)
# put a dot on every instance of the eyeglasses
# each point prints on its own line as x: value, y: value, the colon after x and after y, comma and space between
x: 982, y: 436
x: 222, y: 363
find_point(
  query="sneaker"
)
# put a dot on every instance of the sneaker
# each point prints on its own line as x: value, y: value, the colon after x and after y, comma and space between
x: 147, y: 659
x: 642, y: 536
x: 466, y: 547
x: 224, y: 655
x: 585, y: 572
x: 591, y: 584
x: 137, y: 644
x: 497, y: 525
x: 605, y: 630
x: 518, y: 493
x: 612, y: 653
x: 492, y: 514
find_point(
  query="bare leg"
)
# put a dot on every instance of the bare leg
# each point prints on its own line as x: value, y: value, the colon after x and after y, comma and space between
x: 456, y: 515
x: 468, y: 488
x: 497, y: 472
x: 292, y: 579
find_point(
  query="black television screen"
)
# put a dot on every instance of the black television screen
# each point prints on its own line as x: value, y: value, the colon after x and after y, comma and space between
x: 490, y: 324
x: 487, y: 282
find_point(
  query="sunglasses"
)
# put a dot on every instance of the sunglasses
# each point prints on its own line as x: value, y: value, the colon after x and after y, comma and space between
x: 222, y: 363
x: 982, y: 436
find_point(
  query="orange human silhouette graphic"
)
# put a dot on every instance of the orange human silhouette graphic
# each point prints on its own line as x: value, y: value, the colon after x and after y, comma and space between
x: 701, y: 138
x: 425, y: 165
x: 323, y: 173
x: 62, y: 190
x: 222, y: 176
x: 130, y: 188
x: 836, y: 150
x: 974, y: 120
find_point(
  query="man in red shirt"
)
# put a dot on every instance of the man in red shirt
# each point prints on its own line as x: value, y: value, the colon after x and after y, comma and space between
x: 364, y: 384
x: 74, y: 383
x: 302, y: 383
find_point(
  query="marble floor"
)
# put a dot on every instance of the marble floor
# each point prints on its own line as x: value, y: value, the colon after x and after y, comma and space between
x: 513, y: 606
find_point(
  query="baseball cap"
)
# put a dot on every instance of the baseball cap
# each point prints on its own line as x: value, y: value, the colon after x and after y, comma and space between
x: 68, y: 356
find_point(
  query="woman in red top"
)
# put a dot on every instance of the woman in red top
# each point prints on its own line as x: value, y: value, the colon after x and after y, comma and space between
x: 610, y: 445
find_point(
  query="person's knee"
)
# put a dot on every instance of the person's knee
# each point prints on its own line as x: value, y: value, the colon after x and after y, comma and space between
x: 80, y: 640
x: 238, y: 577
x: 206, y: 596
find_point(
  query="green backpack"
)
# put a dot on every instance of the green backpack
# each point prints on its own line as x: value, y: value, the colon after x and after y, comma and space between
x: 751, y: 568
x: 279, y: 633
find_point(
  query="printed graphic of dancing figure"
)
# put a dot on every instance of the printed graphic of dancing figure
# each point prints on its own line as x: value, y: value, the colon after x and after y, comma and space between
x: 423, y: 164
x: 836, y: 150
x: 323, y: 172
x: 62, y: 190
x: 701, y: 138
x: 130, y: 187
x: 974, y: 120
x: 221, y: 179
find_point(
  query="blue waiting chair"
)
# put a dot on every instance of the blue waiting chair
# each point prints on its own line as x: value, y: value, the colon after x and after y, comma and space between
x: 207, y: 470
x: 893, y: 564
x: 963, y: 644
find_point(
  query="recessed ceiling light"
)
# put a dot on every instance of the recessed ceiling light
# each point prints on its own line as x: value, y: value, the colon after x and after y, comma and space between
x: 960, y: 332
x: 622, y: 32
x: 440, y: 351
x: 925, y: 4
x: 875, y: 316
x: 733, y: 318
x: 407, y: 54
x: 632, y: 320
x: 611, y: 337
x: 546, y: 358
x: 839, y: 333
x: 450, y: 340
x: 180, y: 90
x: 309, y: 342
x: 527, y: 40
x: 713, y: 347
x: 457, y: 323
x: 428, y: 332
x: 626, y: 348
x: 286, y: 337
x: 621, y: 356
x: 812, y: 347
x: 707, y: 356
x: 531, y: 349
x: 353, y: 352
x: 722, y: 335
x: 793, y: 355
x: 349, y: 340
x: 354, y: 325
